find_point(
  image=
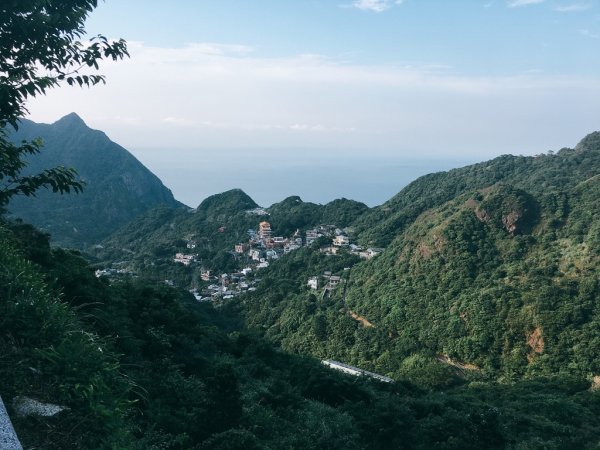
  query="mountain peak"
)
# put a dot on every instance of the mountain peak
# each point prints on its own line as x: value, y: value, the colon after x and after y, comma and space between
x: 233, y: 199
x: 71, y: 120
x: 591, y: 141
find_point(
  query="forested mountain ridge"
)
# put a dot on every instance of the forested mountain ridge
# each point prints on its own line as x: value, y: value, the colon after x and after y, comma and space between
x: 292, y: 213
x: 538, y: 174
x: 493, y: 267
x: 118, y: 187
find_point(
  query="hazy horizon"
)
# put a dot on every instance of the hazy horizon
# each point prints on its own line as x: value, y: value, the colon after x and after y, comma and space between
x: 378, y: 92
x: 270, y: 176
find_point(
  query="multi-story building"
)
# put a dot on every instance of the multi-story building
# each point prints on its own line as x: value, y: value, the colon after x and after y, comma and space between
x: 264, y: 230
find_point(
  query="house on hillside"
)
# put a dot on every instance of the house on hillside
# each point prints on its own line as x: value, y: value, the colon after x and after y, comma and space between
x: 241, y: 248
x: 290, y: 248
x: 311, y: 236
x: 279, y: 240
x: 257, y: 212
x: 255, y: 254
x: 184, y: 259
x: 205, y: 275
x: 370, y: 253
x: 341, y: 240
x: 272, y: 254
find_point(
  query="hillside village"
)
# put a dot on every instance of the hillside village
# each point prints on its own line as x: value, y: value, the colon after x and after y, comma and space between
x: 209, y: 280
x: 261, y: 249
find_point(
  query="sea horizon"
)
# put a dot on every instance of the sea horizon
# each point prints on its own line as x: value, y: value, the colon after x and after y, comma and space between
x: 269, y: 176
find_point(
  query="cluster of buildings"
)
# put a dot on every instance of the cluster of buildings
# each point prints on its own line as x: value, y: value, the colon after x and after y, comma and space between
x: 339, y: 240
x: 342, y: 241
x: 225, y: 286
x: 327, y: 281
x: 263, y: 247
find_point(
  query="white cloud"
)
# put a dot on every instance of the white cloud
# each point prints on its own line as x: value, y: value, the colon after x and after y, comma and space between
x: 376, y: 5
x: 306, y: 127
x: 194, y: 97
x: 220, y: 49
x: 519, y: 3
x: 179, y: 121
x: 574, y: 7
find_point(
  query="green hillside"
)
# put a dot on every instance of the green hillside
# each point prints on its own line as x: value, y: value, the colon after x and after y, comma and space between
x: 491, y: 270
x: 536, y: 175
x: 147, y: 244
x: 118, y: 187
x: 292, y: 213
x: 139, y: 366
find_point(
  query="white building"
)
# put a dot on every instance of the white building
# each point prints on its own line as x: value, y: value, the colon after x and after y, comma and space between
x: 290, y: 248
x: 355, y: 370
x: 262, y: 265
x: 341, y: 240
x: 313, y: 283
x: 370, y: 253
x: 334, y: 280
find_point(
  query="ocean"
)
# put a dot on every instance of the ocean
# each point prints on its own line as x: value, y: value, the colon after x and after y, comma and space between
x: 269, y: 176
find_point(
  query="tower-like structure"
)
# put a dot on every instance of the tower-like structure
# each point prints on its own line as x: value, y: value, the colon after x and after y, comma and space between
x: 264, y: 230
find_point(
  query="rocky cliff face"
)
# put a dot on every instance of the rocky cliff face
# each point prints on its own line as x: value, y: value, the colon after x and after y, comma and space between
x: 118, y: 187
x: 513, y: 210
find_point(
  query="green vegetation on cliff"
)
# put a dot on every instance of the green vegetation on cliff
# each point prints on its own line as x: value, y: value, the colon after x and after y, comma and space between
x: 491, y: 270
x: 118, y: 187
x: 146, y: 367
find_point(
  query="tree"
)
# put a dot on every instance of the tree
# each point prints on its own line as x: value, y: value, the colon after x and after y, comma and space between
x: 40, y: 48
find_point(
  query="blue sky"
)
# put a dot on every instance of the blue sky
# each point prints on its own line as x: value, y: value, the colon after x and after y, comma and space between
x: 467, y: 36
x: 427, y: 77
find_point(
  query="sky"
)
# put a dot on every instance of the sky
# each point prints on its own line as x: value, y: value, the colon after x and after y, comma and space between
x: 403, y: 78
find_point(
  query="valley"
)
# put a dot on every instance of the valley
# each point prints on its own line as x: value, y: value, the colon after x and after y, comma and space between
x: 472, y: 290
x: 461, y: 313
